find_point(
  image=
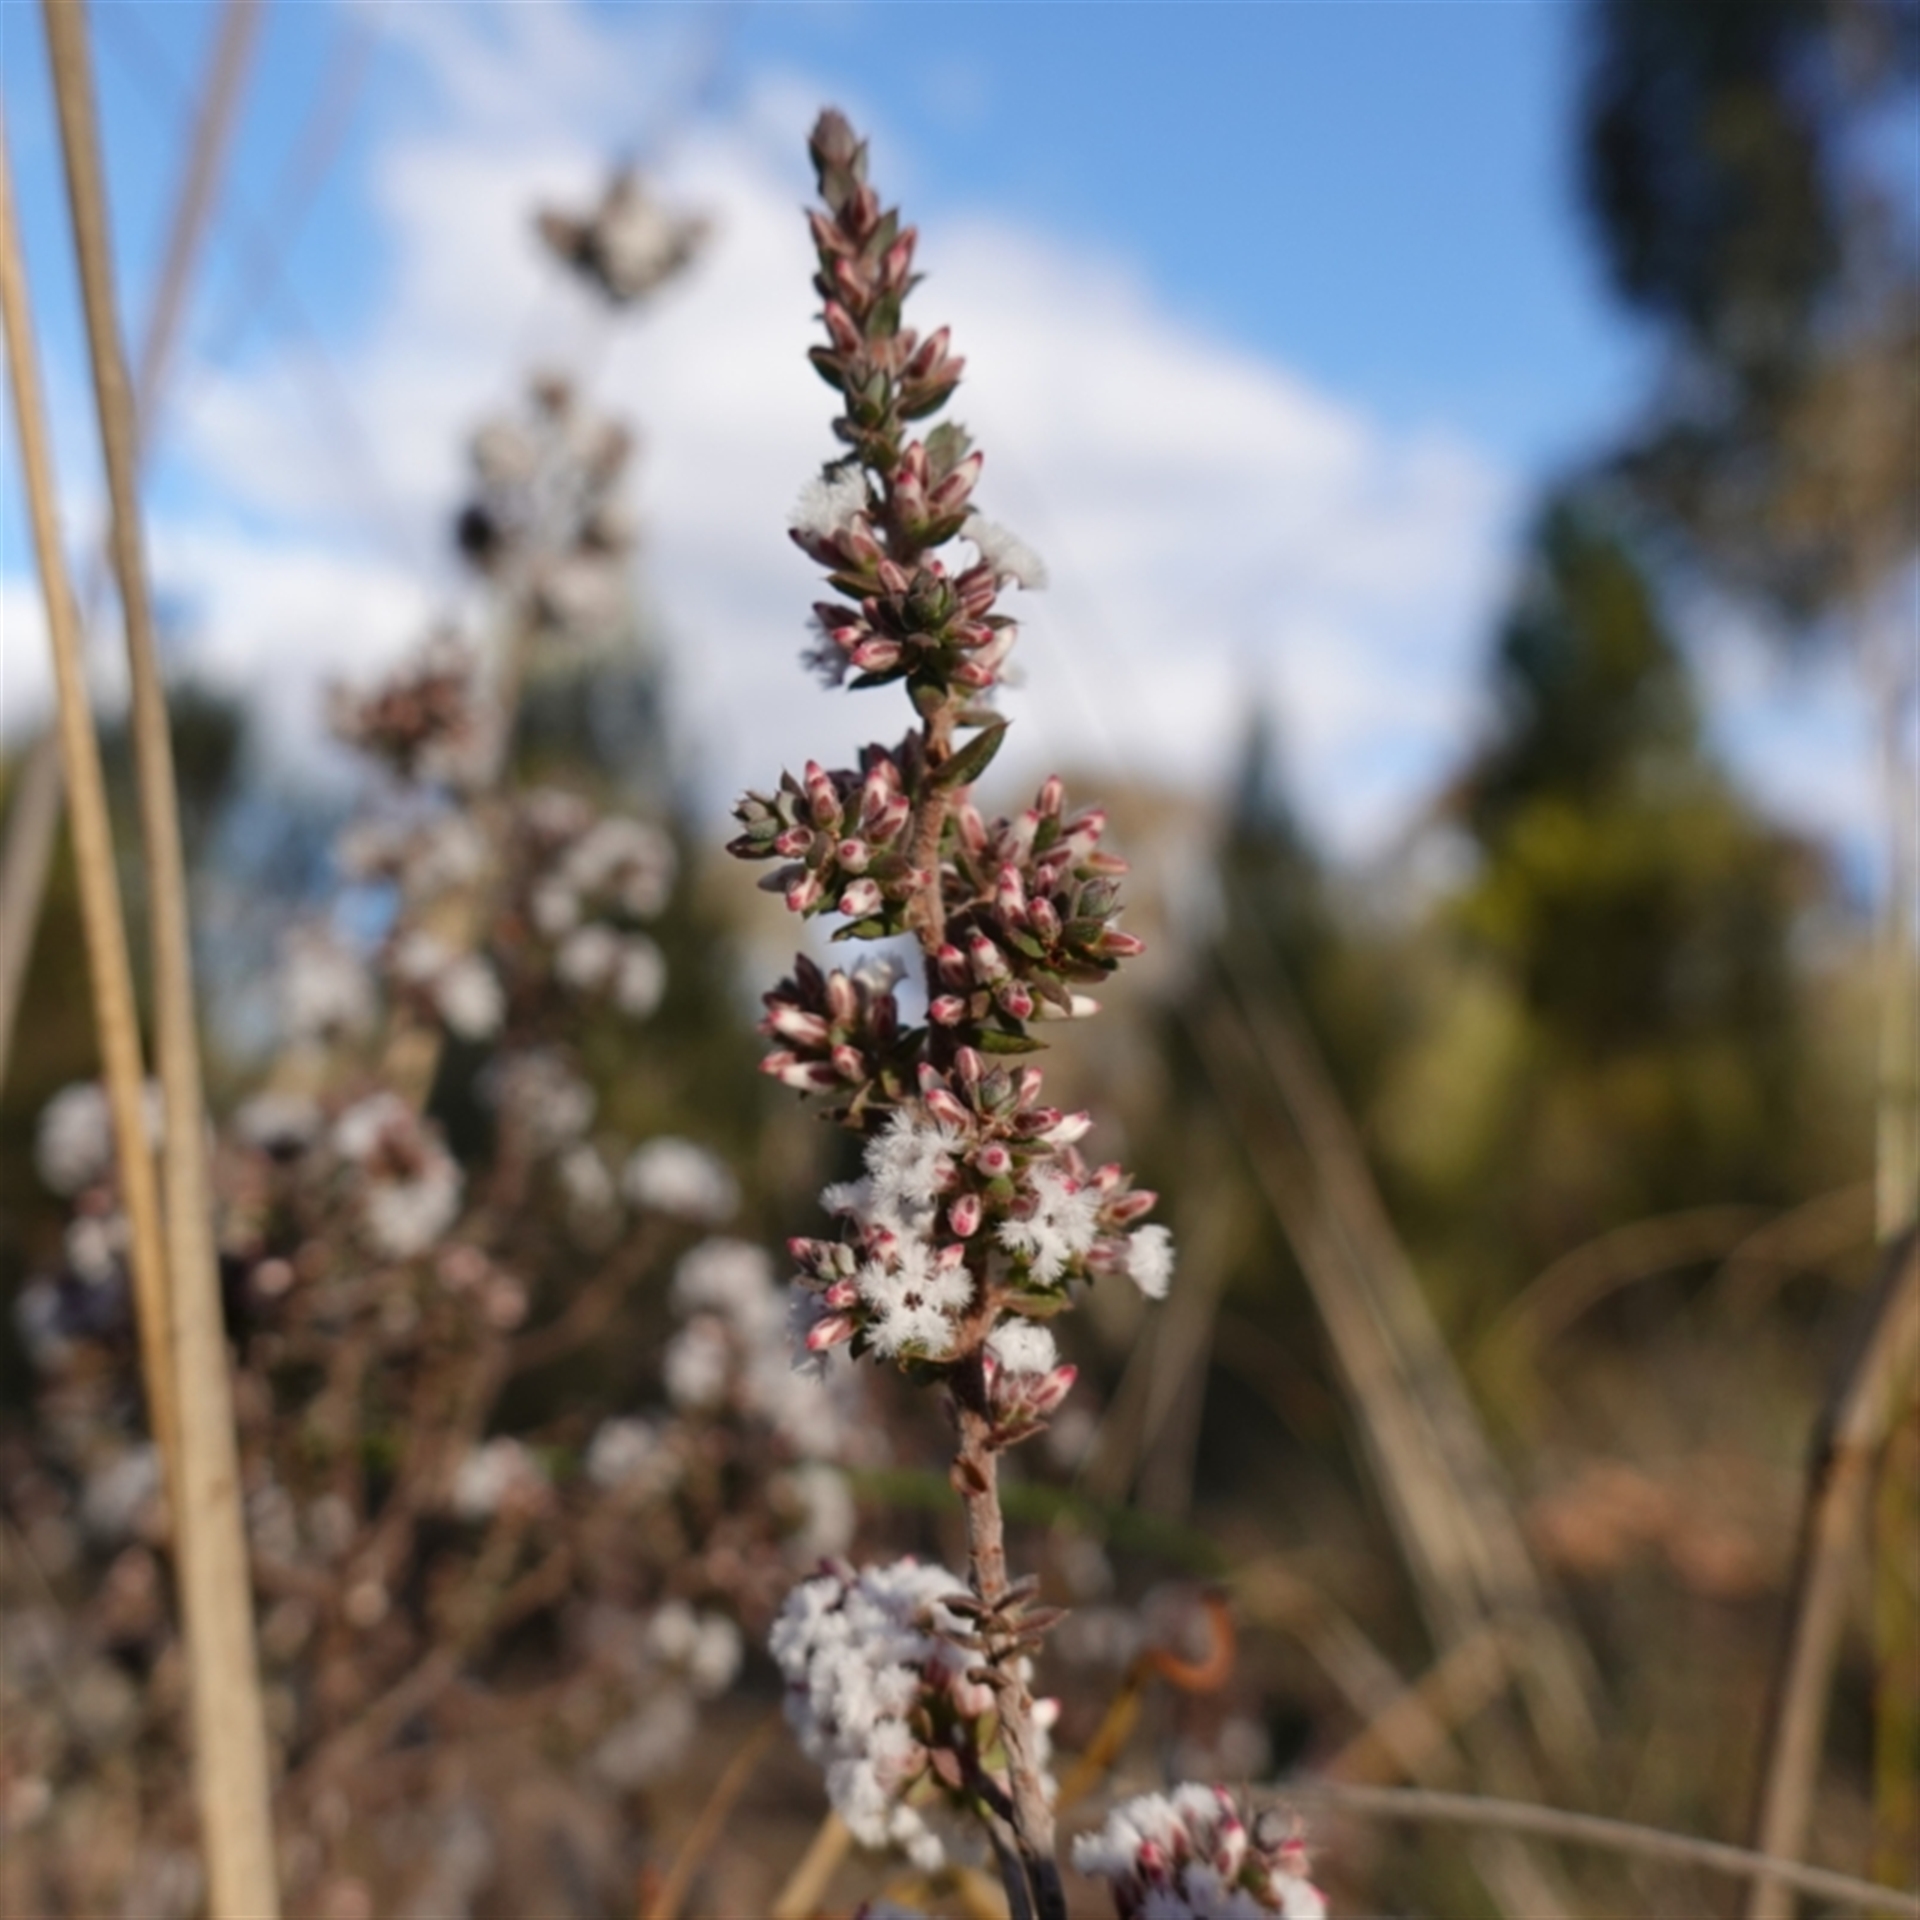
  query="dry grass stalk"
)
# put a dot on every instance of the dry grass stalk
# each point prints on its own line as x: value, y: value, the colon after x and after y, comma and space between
x: 1612, y: 1836
x: 698, y: 1841
x: 229, y: 1726
x: 33, y: 823
x: 1872, y: 1393
x: 101, y: 915
x: 807, y: 1884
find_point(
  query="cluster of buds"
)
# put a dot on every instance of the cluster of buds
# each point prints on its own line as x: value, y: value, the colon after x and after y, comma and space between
x: 886, y: 374
x: 885, y: 1693
x: 547, y: 520
x: 1190, y: 1855
x: 425, y: 720
x: 1031, y: 910
x: 628, y: 246
x: 839, y: 1034
x: 405, y: 1184
x: 844, y: 836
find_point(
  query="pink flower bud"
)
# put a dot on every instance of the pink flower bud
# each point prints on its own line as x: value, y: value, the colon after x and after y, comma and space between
x: 842, y: 1295
x: 849, y: 1063
x: 874, y: 656
x: 821, y: 797
x: 1027, y: 1085
x: 944, y: 1107
x: 802, y: 1028
x: 988, y: 962
x: 1051, y: 797
x: 952, y: 964
x: 963, y: 1217
x: 994, y: 1160
x: 1014, y: 1001
x: 1045, y: 1399
x: 829, y: 1332
x: 1009, y: 895
x: 1076, y: 1126
x: 803, y: 892
x: 843, y: 1000
x: 947, y: 1010
x: 971, y: 1066
x: 845, y: 335
x: 1044, y: 919
x: 1130, y: 1207
x: 860, y: 899
x: 854, y: 856
x: 1120, y: 946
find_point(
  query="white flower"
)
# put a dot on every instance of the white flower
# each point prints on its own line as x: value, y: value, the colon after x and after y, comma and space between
x: 1061, y: 1228
x: 829, y: 1518
x: 640, y: 977
x: 697, y: 1363
x: 705, y: 1646
x: 673, y: 1176
x: 1150, y: 1260
x: 544, y: 1098
x: 587, y: 1182
x: 73, y: 1139
x: 409, y: 1188
x: 856, y: 1654
x: 626, y: 1456
x: 278, y: 1122
x: 1006, y: 553
x: 587, y: 956
x: 117, y: 1497
x: 828, y: 502
x: 324, y: 989
x: 492, y: 1475
x: 470, y: 998
x: 628, y: 859
x: 1023, y: 1346
x: 1189, y: 1855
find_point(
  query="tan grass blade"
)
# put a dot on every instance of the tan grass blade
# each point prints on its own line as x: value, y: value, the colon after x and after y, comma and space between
x: 102, y: 917
x: 230, y: 1747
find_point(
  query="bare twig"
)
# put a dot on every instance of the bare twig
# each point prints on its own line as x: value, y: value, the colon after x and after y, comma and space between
x: 1591, y: 1830
x: 698, y: 1840
x: 1875, y: 1386
x: 229, y: 1723
x: 102, y: 918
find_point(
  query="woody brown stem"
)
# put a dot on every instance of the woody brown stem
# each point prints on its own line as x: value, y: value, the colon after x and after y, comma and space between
x: 976, y: 1475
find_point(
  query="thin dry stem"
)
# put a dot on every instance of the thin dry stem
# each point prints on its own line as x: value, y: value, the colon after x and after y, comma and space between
x: 102, y: 919
x: 712, y: 1817
x: 1613, y: 1836
x: 229, y: 1722
x: 33, y: 823
x: 1870, y: 1396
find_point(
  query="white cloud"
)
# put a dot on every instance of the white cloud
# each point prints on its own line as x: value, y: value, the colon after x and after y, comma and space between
x: 1219, y: 533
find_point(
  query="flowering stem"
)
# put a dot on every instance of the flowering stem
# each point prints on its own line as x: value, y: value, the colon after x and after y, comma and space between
x: 976, y: 1477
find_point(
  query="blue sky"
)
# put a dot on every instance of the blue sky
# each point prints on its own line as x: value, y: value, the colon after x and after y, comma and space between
x: 1326, y: 260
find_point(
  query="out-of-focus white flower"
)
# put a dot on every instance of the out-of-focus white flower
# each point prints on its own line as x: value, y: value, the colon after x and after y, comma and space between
x: 470, y: 998
x: 704, y: 1646
x: 73, y: 1138
x: 829, y: 1517
x: 325, y: 990
x: 119, y: 1496
x: 1188, y: 1855
x: 277, y: 1122
x: 587, y: 956
x: 629, y: 862
x: 500, y: 1473
x: 697, y: 1363
x: 627, y: 1456
x: 540, y: 1095
x: 409, y: 1187
x: 639, y: 977
x: 674, y: 1176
